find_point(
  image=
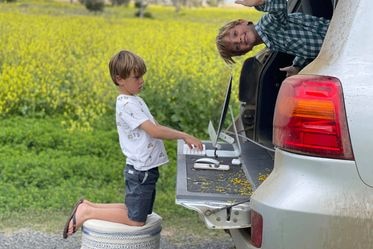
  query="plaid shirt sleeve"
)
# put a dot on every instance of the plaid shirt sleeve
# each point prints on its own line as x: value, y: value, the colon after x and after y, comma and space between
x: 272, y: 6
x: 300, y: 62
x: 297, y: 34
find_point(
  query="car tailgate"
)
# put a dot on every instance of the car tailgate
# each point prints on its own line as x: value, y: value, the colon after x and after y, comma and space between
x: 257, y: 162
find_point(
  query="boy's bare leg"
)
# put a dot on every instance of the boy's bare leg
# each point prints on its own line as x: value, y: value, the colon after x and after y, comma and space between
x: 108, y: 212
x: 105, y: 205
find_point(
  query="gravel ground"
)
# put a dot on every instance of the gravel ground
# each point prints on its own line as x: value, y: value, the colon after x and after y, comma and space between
x: 28, y: 239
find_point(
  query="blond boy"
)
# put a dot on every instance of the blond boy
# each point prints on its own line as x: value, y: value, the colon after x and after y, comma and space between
x: 297, y: 34
x: 140, y: 138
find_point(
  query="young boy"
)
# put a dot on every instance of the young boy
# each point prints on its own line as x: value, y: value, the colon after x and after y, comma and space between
x: 297, y: 34
x: 140, y: 138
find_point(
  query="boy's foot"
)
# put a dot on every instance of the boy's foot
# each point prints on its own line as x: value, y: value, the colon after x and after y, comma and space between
x: 72, y: 219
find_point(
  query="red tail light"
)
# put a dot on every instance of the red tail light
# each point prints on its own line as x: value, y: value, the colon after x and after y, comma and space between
x: 256, y: 228
x: 310, y: 117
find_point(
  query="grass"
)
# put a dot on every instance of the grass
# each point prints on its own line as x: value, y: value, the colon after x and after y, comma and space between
x: 27, y: 203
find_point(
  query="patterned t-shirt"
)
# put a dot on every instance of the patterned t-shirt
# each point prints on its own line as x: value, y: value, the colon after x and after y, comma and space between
x: 142, y: 151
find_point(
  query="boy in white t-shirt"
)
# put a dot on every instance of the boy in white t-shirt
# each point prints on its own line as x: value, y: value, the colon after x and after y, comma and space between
x: 140, y: 138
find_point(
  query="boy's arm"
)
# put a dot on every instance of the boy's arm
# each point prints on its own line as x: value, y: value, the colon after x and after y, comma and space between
x: 162, y: 132
x: 250, y: 3
x: 301, y: 62
x: 290, y: 70
x: 298, y: 63
x: 265, y: 5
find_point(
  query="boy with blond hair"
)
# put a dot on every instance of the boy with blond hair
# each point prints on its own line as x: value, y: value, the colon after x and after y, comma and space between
x: 140, y: 138
x: 297, y: 34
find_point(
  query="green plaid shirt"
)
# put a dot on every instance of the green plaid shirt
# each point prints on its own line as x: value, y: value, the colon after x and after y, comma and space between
x: 297, y: 34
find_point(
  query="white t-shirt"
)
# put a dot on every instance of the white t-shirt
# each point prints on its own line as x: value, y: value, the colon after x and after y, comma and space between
x: 142, y: 151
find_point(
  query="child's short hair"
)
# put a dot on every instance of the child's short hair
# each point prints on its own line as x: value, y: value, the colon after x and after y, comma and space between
x: 224, y: 52
x: 125, y: 62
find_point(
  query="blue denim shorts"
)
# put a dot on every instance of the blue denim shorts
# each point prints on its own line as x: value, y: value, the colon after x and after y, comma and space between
x: 140, y: 192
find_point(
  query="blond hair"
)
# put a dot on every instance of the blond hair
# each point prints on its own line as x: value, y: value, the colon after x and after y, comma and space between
x: 124, y: 63
x: 221, y: 45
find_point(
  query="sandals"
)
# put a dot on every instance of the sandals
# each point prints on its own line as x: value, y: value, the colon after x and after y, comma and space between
x: 73, y: 218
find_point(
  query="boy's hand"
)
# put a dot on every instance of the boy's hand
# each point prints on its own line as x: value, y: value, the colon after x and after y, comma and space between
x: 291, y: 70
x: 193, y: 143
x: 250, y: 3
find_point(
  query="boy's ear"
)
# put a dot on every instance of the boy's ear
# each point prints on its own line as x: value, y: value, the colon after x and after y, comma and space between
x: 118, y: 79
x: 245, y: 21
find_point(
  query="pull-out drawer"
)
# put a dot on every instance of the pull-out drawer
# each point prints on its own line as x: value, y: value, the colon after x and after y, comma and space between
x: 221, y: 197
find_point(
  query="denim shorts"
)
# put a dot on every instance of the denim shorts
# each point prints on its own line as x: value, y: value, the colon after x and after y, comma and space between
x: 139, y: 192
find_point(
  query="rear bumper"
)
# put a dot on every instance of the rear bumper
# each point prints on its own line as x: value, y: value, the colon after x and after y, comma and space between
x: 309, y: 202
x: 241, y: 239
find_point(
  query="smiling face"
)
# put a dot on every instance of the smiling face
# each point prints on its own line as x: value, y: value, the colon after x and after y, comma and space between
x: 240, y: 39
x: 131, y: 85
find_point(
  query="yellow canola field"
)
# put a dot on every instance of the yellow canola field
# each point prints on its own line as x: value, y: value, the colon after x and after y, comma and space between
x: 57, y: 65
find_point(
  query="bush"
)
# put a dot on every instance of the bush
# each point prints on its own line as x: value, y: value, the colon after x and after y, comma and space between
x: 94, y: 5
x: 140, y: 4
x: 145, y: 14
x: 38, y: 158
x: 120, y: 2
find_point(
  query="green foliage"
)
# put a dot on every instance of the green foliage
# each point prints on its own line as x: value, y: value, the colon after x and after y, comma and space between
x: 94, y: 5
x: 145, y: 14
x: 140, y: 4
x: 120, y: 2
x: 44, y: 166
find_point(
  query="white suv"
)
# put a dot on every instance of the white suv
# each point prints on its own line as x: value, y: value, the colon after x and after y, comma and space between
x: 312, y: 134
